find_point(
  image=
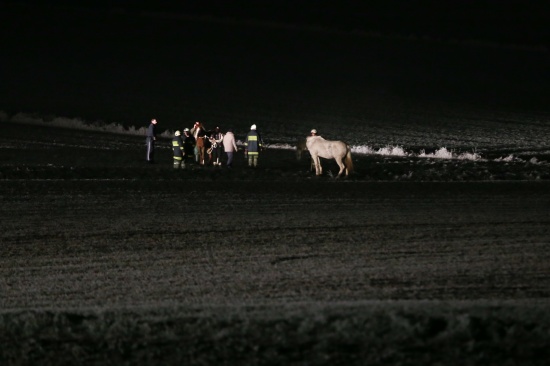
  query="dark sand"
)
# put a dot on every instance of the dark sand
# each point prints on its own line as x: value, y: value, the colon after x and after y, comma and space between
x: 383, y: 266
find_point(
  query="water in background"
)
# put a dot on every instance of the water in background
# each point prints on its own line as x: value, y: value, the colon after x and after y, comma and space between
x: 392, y: 94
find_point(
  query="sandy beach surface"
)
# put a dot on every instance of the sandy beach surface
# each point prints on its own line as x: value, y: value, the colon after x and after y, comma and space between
x: 97, y: 244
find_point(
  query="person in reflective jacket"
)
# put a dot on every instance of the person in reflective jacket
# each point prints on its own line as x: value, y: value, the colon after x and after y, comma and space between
x: 179, y: 153
x: 253, y: 146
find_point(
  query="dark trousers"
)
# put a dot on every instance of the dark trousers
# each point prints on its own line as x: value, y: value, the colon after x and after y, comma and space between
x: 179, y: 163
x: 229, y: 158
x: 253, y: 160
x: 150, y: 149
x: 217, y: 154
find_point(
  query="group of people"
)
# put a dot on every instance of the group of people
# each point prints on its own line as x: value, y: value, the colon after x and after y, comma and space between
x: 201, y: 147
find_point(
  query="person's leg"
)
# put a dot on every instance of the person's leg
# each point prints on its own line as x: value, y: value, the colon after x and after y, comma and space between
x: 218, y: 156
x: 150, y: 150
x: 201, y: 155
x: 252, y: 160
x: 229, y: 159
x: 148, y: 154
x: 177, y: 163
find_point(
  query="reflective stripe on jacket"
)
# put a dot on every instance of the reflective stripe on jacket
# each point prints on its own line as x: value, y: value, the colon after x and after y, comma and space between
x: 177, y: 146
x: 253, y: 142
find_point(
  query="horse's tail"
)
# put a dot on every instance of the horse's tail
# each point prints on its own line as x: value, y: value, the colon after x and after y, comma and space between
x: 348, y: 162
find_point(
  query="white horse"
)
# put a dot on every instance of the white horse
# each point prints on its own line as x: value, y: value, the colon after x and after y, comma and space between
x: 320, y: 148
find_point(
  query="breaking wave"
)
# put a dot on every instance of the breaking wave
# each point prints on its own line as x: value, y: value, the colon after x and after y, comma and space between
x: 76, y: 124
x: 390, y: 151
x: 441, y: 153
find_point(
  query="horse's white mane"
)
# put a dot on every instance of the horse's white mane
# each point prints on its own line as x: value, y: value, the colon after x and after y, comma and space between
x: 315, y: 138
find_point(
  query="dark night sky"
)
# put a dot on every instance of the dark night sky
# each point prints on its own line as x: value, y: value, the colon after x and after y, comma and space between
x: 111, y: 60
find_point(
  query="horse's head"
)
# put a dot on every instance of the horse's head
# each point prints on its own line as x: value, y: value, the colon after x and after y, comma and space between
x: 300, y: 147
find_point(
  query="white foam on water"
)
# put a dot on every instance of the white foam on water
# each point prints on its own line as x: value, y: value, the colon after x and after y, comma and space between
x: 388, y: 150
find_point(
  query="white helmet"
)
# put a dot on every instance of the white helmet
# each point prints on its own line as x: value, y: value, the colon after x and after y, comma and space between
x: 178, y: 133
x: 185, y: 129
x: 314, y: 131
x: 253, y: 127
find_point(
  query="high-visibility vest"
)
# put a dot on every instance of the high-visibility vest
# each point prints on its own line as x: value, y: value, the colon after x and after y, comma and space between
x: 177, y: 146
x: 253, y: 142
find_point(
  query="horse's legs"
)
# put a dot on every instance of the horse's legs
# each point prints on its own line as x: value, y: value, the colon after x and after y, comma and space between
x: 342, y: 167
x: 318, y: 168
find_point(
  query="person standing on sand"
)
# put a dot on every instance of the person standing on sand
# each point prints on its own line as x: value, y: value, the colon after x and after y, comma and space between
x: 253, y: 143
x: 151, y: 136
x: 199, y: 134
x: 229, y: 146
x: 216, y: 139
x: 188, y: 145
x: 179, y: 153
